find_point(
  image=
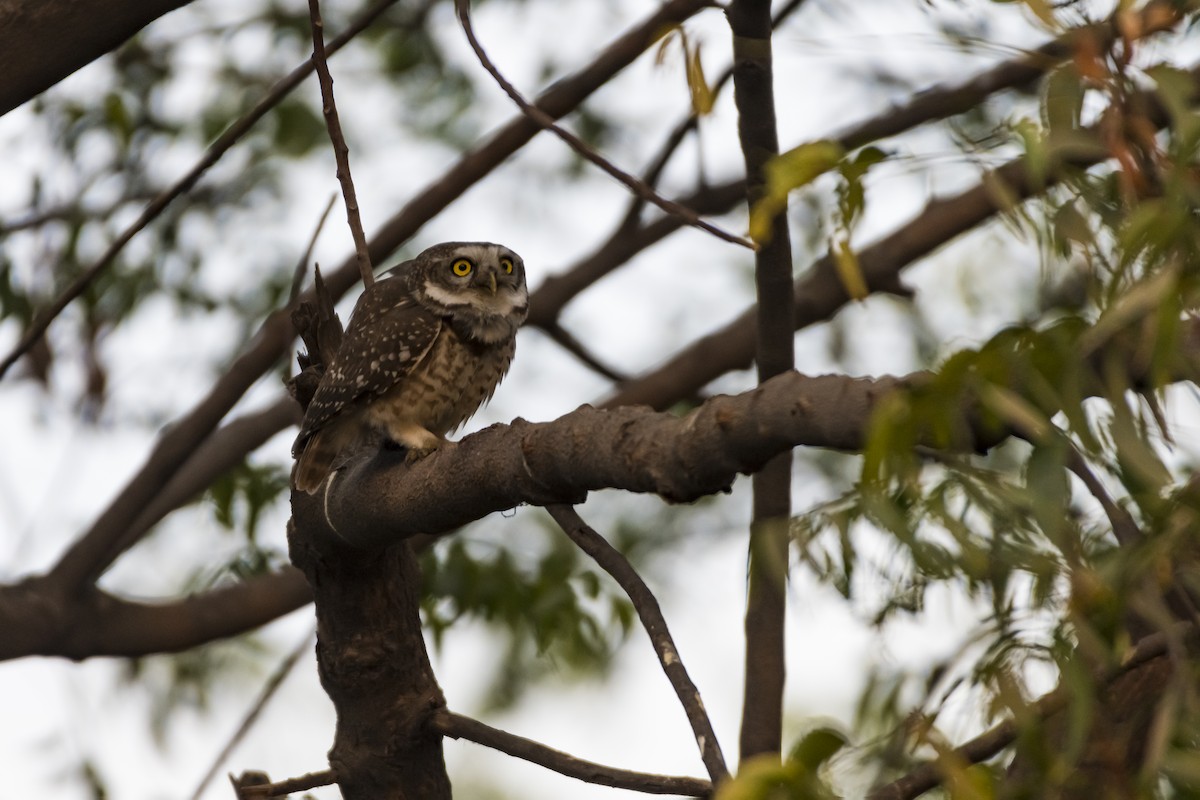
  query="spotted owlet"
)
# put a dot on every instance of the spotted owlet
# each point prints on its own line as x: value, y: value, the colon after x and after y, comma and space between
x: 425, y: 347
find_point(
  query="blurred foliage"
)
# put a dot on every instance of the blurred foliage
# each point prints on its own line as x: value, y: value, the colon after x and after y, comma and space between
x: 1027, y: 530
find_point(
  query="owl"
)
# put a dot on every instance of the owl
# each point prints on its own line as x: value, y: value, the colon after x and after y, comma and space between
x: 425, y: 347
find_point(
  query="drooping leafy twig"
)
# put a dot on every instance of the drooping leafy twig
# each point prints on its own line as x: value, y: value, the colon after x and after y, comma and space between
x: 646, y: 604
x: 456, y: 726
x: 928, y: 775
x: 341, y: 151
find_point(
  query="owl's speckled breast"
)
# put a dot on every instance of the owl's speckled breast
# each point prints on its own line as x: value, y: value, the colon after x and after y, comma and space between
x: 453, y: 380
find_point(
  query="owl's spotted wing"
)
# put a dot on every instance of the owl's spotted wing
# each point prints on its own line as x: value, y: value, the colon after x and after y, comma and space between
x: 387, y: 336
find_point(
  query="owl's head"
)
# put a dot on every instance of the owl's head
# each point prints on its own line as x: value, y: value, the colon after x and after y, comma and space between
x: 480, y: 286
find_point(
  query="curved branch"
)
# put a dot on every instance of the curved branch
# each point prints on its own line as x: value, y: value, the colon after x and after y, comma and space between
x: 456, y: 726
x: 615, y: 564
x: 544, y: 120
x: 36, y: 621
x: 377, y: 498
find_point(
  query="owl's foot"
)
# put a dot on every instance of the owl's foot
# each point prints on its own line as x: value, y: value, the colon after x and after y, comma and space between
x: 415, y: 454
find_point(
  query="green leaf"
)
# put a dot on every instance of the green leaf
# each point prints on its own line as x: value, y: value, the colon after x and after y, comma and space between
x: 797, y: 167
x: 816, y: 747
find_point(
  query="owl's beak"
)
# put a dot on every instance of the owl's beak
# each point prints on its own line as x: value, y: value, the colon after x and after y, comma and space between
x: 492, y: 282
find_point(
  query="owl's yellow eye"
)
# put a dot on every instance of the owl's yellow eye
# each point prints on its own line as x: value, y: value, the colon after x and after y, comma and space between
x: 461, y: 267
x: 506, y: 264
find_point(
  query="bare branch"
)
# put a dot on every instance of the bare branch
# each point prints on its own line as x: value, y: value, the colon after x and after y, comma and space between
x: 774, y: 346
x: 38, y: 621
x: 268, y: 691
x: 302, y: 264
x: 156, y: 206
x: 303, y: 783
x: 646, y: 604
x: 568, y: 342
x: 341, y: 151
x: 579, y: 146
x: 456, y: 726
x: 1124, y: 527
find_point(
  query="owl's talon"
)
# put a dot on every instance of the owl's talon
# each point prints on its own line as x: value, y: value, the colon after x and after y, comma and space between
x: 415, y: 454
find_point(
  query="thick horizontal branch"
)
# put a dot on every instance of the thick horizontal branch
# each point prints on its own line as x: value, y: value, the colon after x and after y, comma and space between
x: 35, y: 621
x: 456, y: 726
x: 378, y: 498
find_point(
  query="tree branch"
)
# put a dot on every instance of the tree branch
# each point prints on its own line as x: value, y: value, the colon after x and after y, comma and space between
x: 155, y: 207
x: 646, y: 604
x: 456, y: 726
x: 41, y: 43
x: 378, y: 498
x: 341, y: 152
x: 544, y: 120
x: 312, y: 780
x: 36, y: 621
x: 774, y: 344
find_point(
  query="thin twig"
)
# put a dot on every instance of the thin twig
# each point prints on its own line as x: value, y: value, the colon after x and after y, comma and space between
x: 579, y: 146
x: 155, y: 207
x: 926, y: 776
x: 302, y: 264
x: 341, y: 151
x: 615, y: 564
x: 456, y: 726
x: 1124, y: 527
x: 568, y: 342
x: 691, y: 122
x: 268, y: 691
x: 311, y: 780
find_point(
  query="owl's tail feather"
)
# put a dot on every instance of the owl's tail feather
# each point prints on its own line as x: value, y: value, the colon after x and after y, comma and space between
x: 315, y: 462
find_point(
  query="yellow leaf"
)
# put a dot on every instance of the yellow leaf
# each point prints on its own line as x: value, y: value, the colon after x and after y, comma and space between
x: 848, y: 269
x: 787, y: 171
x: 702, y: 94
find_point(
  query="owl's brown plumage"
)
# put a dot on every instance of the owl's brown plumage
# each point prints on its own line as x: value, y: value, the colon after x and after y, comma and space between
x: 425, y: 347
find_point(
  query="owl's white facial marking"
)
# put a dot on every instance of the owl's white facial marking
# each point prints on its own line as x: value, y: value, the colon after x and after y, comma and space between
x: 501, y: 304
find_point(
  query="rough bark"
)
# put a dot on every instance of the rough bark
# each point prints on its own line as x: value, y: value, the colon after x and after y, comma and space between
x: 374, y: 666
